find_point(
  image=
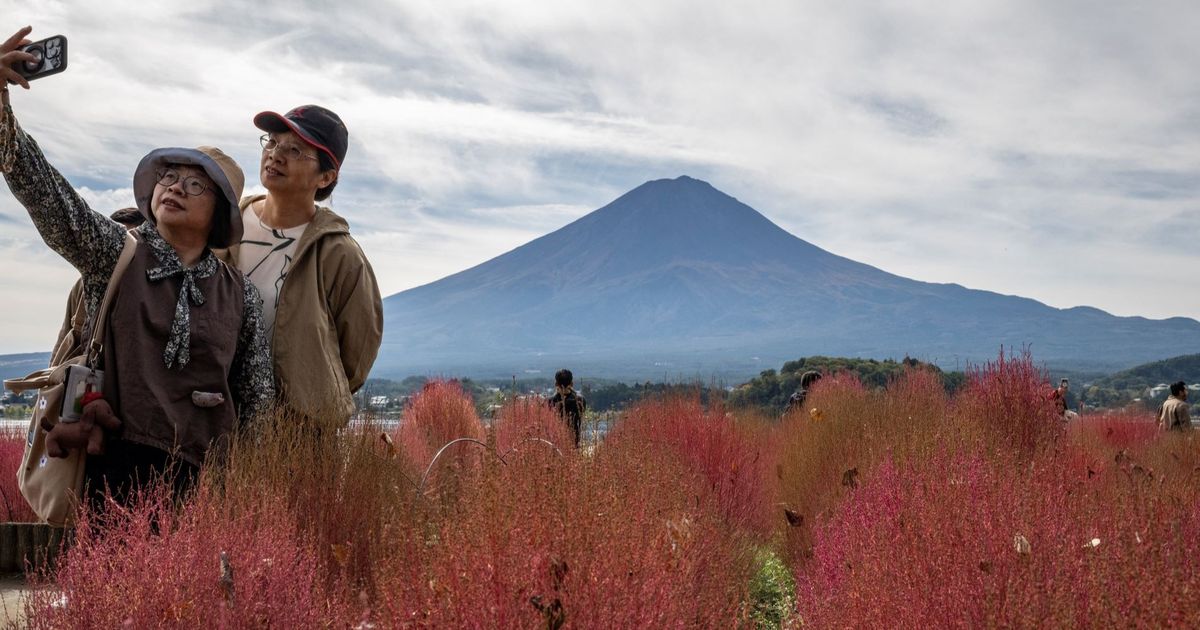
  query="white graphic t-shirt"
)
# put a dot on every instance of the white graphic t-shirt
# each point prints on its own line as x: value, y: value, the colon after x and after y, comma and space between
x: 266, y: 258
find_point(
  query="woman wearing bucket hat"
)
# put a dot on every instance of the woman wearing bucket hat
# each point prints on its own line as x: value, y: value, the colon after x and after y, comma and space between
x: 184, y: 355
x: 321, y: 304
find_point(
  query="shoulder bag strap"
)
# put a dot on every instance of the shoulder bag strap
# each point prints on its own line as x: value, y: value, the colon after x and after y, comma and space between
x: 79, y: 318
x: 97, y: 342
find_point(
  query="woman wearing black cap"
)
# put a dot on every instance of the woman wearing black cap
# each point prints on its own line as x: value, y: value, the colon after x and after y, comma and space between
x: 184, y: 355
x: 321, y: 304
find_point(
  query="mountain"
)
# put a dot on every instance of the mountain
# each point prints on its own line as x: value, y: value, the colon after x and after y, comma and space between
x: 1182, y: 368
x: 676, y: 277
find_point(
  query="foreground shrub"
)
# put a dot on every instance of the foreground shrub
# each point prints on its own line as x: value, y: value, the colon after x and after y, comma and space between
x: 986, y: 510
x: 821, y: 450
x: 524, y: 420
x: 321, y: 528
x: 1007, y: 400
x: 13, y: 507
x: 439, y: 414
x: 735, y: 459
x: 1116, y: 430
x: 617, y: 541
x: 154, y: 566
x: 964, y: 541
x: 346, y: 491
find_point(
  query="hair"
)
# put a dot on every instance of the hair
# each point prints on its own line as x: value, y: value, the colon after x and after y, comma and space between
x: 129, y: 217
x: 563, y: 378
x: 808, y: 378
x: 325, y: 163
x: 221, y: 231
x: 1178, y: 388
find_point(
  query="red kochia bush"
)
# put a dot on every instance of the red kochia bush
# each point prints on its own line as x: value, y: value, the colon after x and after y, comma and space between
x: 521, y: 421
x: 154, y: 566
x: 1117, y: 430
x: 972, y: 541
x: 735, y: 460
x: 1008, y: 401
x: 627, y: 539
x: 440, y: 413
x: 13, y: 506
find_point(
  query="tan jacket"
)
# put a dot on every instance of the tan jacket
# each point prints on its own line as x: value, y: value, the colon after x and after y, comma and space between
x: 1174, y: 415
x: 329, y: 322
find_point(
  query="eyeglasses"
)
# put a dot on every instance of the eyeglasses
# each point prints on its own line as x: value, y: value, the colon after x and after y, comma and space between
x: 192, y: 186
x: 289, y: 151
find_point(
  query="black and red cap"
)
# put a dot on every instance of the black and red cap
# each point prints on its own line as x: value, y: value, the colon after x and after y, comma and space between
x: 315, y: 125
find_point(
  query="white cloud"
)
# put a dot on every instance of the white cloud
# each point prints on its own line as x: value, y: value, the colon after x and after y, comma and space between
x: 1043, y: 149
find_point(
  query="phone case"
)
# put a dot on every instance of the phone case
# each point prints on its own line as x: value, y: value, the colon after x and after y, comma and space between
x: 53, y: 53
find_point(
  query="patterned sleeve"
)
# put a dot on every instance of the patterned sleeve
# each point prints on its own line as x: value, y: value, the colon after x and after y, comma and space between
x: 88, y: 240
x: 252, y: 379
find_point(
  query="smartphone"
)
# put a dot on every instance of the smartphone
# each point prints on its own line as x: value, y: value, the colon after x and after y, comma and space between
x: 51, y: 59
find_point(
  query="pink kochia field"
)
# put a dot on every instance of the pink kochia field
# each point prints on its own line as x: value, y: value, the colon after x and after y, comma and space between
x: 901, y: 507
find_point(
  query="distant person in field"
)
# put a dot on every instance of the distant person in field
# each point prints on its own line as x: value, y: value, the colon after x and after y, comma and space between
x: 1059, y: 400
x: 796, y: 400
x: 128, y: 217
x: 569, y: 403
x: 1174, y: 414
x: 321, y: 306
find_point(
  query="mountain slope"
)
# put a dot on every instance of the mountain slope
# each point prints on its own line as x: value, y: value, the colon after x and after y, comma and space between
x: 678, y: 274
x: 1182, y: 368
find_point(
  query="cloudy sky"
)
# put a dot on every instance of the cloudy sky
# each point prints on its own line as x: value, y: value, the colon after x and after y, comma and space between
x: 1045, y: 149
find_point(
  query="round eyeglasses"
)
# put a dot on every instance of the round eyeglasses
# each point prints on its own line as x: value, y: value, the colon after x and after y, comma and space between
x: 289, y: 151
x: 192, y: 186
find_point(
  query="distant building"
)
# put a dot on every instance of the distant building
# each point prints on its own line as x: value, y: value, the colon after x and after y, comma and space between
x: 379, y: 402
x: 1160, y: 390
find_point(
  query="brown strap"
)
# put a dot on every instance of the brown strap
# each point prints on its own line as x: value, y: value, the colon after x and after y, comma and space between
x: 97, y: 343
x: 79, y: 318
x: 37, y: 380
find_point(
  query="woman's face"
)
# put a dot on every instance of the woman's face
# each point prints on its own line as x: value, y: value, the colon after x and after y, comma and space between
x: 184, y: 200
x: 291, y: 166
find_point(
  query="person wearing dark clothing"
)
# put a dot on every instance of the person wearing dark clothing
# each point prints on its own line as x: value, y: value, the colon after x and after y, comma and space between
x: 796, y: 400
x: 569, y: 403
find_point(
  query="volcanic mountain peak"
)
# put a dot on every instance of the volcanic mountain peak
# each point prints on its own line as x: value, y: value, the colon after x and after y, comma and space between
x: 677, y: 268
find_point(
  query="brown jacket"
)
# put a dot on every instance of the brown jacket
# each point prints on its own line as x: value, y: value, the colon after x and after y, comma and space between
x: 329, y: 321
x: 1174, y: 415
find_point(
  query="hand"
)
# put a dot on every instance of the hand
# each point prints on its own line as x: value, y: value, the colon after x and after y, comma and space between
x: 10, y: 56
x: 66, y: 436
x: 88, y: 432
x: 98, y: 417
